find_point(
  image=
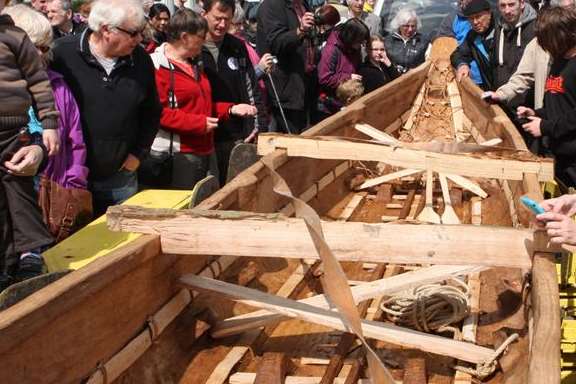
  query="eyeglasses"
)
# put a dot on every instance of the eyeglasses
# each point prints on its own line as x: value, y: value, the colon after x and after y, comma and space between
x: 132, y: 34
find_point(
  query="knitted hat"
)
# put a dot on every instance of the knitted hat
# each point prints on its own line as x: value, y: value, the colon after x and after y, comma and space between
x: 476, y: 6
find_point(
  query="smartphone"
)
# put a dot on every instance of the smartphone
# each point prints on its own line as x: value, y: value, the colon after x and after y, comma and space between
x: 532, y: 205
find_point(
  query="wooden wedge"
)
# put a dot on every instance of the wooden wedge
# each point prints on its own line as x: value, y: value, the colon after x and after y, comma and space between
x: 428, y: 214
x: 377, y: 134
x: 467, y: 184
x: 449, y: 216
x: 389, y: 177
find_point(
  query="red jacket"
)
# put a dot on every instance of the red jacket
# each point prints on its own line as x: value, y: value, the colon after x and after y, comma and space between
x: 187, y: 122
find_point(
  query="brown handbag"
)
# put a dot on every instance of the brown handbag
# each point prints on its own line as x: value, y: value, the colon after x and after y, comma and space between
x: 65, y: 210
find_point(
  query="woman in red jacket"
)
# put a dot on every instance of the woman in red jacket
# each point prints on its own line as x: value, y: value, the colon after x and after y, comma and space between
x: 189, y: 117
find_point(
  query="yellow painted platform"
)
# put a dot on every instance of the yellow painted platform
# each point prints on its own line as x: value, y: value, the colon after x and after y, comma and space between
x: 95, y: 240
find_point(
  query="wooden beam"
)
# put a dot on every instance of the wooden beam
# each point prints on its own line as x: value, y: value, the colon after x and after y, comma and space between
x: 271, y: 369
x: 501, y: 166
x: 360, y: 293
x: 468, y: 184
x: 377, y: 134
x: 193, y: 232
x: 376, y: 330
x: 352, y: 206
x: 389, y: 177
x: 415, y: 108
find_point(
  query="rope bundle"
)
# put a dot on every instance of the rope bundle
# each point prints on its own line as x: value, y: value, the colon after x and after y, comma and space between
x: 431, y: 307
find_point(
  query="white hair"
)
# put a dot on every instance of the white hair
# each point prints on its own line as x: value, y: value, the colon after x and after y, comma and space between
x: 34, y: 23
x: 403, y: 16
x: 114, y: 13
x: 66, y: 5
x: 560, y: 3
x: 239, y: 14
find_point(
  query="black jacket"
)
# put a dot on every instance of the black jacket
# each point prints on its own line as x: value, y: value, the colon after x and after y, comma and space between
x: 406, y: 55
x: 277, y: 23
x: 374, y: 76
x: 469, y: 50
x: 77, y: 28
x: 229, y: 80
x: 509, y: 45
x: 120, y: 113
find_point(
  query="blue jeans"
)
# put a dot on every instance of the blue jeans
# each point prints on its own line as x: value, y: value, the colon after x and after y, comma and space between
x: 113, y: 190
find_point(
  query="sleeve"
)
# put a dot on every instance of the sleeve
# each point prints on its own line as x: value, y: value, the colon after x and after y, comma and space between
x: 328, y: 75
x: 222, y: 110
x: 281, y: 40
x: 150, y: 112
x: 462, y: 55
x: 523, y: 79
x: 39, y: 87
x: 78, y: 175
x: 558, y: 127
x: 257, y: 99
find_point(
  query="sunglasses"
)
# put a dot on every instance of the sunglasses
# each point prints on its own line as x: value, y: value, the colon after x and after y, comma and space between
x: 132, y: 34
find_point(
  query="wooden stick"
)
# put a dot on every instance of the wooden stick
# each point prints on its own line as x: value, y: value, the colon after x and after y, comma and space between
x: 225, y: 366
x: 360, y: 293
x: 193, y: 232
x: 389, y: 177
x: 352, y: 206
x: 457, y: 112
x: 449, y: 216
x: 505, y: 166
x: 415, y: 108
x: 428, y: 215
x: 377, y: 134
x: 375, y: 330
x: 468, y: 184
x: 355, y: 372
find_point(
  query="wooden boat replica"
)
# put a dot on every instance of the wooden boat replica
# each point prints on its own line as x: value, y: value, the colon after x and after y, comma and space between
x: 418, y: 187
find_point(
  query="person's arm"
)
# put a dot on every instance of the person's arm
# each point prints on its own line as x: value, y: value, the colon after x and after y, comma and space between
x: 328, y: 75
x: 462, y: 55
x: 149, y: 112
x: 523, y: 79
x: 281, y: 40
x: 77, y: 177
x: 445, y: 29
x: 558, y: 127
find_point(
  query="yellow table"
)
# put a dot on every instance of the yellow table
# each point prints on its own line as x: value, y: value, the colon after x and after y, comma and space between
x: 95, y: 240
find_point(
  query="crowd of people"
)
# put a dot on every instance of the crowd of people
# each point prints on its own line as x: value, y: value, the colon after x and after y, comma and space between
x: 101, y: 100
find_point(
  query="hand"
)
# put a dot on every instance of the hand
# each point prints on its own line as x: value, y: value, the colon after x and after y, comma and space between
x: 524, y: 112
x: 560, y: 228
x: 307, y: 22
x: 131, y: 163
x: 533, y: 127
x: 243, y: 110
x: 25, y: 161
x: 384, y: 59
x: 492, y: 97
x: 266, y: 62
x: 51, y: 141
x: 211, y: 124
x: 356, y: 76
x: 565, y: 204
x: 462, y: 72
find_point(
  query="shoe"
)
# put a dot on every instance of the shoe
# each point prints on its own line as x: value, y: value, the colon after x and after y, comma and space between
x: 31, y: 265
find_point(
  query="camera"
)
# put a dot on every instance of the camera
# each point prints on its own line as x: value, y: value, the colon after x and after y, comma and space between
x: 274, y: 60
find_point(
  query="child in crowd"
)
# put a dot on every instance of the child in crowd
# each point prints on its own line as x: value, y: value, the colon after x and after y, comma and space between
x: 23, y: 82
x: 349, y: 91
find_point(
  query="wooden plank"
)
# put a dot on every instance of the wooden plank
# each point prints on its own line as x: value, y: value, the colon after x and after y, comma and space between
x: 428, y: 214
x: 449, y: 216
x: 352, y: 206
x: 415, y: 108
x: 468, y: 184
x: 360, y: 293
x: 389, y: 177
x: 504, y: 166
x: 271, y: 369
x: 248, y: 378
x: 231, y: 233
x: 460, y: 133
x: 233, y: 357
x: 377, y: 134
x: 381, y: 331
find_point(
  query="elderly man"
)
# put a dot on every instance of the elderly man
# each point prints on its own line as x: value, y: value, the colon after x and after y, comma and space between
x: 112, y: 79
x: 478, y: 44
x: 40, y: 5
x: 61, y: 18
x: 232, y: 79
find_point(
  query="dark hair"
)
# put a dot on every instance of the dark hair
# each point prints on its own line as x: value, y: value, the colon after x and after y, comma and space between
x: 225, y: 4
x: 185, y: 20
x: 157, y: 9
x: 556, y: 30
x: 327, y: 15
x: 352, y: 32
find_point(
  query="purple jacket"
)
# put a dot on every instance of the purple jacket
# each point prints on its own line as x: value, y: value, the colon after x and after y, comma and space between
x: 337, y: 63
x: 68, y: 167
